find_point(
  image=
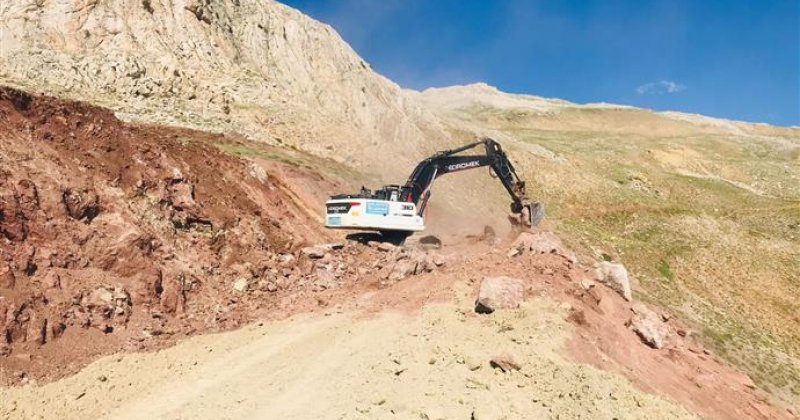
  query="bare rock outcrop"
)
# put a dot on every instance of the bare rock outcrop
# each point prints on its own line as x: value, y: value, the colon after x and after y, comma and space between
x: 218, y: 65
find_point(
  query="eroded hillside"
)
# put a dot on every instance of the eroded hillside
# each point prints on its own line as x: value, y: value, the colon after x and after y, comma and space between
x: 116, y: 236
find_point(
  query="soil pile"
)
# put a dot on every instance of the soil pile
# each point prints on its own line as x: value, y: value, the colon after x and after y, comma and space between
x: 112, y: 234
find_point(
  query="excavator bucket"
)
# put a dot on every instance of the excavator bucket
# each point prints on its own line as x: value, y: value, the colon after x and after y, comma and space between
x: 530, y: 215
x: 535, y: 213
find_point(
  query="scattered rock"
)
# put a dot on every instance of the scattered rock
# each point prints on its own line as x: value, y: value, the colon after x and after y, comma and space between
x: 180, y: 193
x: 537, y: 243
x: 649, y: 326
x: 499, y: 293
x: 433, y: 413
x: 173, y: 297
x: 615, y: 276
x: 52, y: 280
x: 81, y: 204
x: 505, y: 362
x: 386, y: 246
x: 314, y: 252
x: 487, y: 412
x: 403, y: 269
x: 107, y: 303
x: 319, y: 251
x: 241, y: 285
x: 286, y: 260
x: 430, y: 242
x: 472, y: 363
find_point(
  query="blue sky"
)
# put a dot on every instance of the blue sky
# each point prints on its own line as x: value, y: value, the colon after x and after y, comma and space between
x: 731, y: 59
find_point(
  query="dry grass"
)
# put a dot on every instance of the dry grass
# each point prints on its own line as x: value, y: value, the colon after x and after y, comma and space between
x: 709, y: 222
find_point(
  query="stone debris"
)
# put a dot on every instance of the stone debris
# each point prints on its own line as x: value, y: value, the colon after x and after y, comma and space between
x: 505, y: 362
x: 540, y: 243
x: 499, y: 293
x: 615, y: 276
x: 649, y: 326
x: 319, y: 251
x: 430, y: 242
x: 386, y: 246
x: 241, y: 285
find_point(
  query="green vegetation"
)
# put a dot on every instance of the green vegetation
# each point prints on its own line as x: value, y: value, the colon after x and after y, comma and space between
x: 253, y: 151
x: 663, y: 269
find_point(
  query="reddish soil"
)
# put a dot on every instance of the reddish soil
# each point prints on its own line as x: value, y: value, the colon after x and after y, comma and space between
x: 121, y: 237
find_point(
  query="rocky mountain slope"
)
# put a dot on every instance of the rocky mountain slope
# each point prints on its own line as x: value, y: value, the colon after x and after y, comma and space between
x: 706, y: 210
x: 255, y: 67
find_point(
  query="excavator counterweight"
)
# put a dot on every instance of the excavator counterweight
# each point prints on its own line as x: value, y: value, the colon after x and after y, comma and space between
x: 398, y: 210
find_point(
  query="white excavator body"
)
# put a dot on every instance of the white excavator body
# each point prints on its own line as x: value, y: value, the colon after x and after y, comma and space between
x: 372, y: 214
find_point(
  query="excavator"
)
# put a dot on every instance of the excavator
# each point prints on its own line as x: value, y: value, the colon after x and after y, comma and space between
x: 397, y: 211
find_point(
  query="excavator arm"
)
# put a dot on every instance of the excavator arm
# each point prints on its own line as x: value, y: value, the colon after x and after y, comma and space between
x: 417, y: 188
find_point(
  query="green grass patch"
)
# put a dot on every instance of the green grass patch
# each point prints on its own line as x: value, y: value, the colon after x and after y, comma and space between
x: 665, y: 271
x: 242, y: 150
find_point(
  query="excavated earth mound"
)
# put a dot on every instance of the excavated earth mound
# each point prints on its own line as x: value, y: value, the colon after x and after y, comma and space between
x: 114, y: 236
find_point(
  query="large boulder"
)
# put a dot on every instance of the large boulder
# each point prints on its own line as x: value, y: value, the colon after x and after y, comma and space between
x: 499, y: 293
x: 615, y: 276
x: 650, y: 327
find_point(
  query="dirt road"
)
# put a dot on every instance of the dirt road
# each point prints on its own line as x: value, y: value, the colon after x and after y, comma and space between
x: 430, y: 364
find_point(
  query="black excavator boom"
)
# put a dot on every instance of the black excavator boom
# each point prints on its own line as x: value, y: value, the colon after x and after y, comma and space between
x: 417, y: 188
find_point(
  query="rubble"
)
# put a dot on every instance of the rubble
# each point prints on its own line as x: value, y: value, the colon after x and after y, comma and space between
x: 540, y: 243
x: 319, y: 251
x: 7, y: 277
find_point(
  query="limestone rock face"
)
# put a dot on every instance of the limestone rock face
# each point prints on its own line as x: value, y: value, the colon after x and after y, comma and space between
x: 254, y: 67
